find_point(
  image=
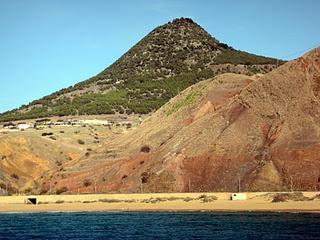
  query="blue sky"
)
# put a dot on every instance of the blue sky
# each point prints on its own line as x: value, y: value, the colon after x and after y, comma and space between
x: 46, y: 45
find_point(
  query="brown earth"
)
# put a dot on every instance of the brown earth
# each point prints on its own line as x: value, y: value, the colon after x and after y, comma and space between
x: 261, y: 130
x: 27, y: 159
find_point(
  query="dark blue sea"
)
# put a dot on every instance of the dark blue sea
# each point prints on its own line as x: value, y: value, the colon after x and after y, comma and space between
x: 138, y: 225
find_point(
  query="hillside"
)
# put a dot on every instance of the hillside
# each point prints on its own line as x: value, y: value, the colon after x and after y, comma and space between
x: 169, y: 59
x: 263, y: 131
x: 27, y: 157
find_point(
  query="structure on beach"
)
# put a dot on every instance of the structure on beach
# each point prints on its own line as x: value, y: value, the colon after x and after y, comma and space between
x: 238, y: 196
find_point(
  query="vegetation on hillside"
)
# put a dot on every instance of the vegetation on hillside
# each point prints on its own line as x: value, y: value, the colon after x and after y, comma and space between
x: 240, y: 57
x: 141, y: 96
x: 169, y: 59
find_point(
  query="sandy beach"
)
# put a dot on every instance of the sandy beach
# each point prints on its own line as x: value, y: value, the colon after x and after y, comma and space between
x: 157, y: 202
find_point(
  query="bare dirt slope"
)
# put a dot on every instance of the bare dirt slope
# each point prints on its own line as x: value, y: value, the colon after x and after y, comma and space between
x: 261, y: 130
x: 27, y: 158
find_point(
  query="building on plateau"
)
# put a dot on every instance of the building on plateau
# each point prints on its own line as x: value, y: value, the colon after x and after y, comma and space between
x: 9, y: 125
x: 23, y: 126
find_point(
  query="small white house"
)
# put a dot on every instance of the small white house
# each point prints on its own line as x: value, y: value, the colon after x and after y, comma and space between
x: 23, y: 126
x: 238, y: 196
x: 95, y: 122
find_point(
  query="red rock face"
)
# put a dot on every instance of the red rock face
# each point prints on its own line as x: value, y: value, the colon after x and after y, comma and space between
x: 263, y: 132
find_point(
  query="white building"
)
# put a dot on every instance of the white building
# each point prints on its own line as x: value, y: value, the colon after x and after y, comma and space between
x: 95, y: 122
x: 23, y: 126
x: 238, y: 196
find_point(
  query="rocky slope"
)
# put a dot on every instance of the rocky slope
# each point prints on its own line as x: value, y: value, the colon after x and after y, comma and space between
x: 169, y: 59
x: 28, y: 157
x: 261, y: 130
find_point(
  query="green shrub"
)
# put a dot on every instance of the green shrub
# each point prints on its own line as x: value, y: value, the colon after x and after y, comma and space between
x: 145, y: 149
x: 61, y: 190
x: 15, y: 176
x: 87, y: 183
x: 205, y: 199
x: 294, y: 196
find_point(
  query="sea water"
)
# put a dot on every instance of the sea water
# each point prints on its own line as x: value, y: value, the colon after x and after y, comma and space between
x: 155, y: 225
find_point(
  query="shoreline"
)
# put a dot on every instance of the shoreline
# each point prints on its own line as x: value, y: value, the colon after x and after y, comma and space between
x: 161, y: 202
x: 293, y: 211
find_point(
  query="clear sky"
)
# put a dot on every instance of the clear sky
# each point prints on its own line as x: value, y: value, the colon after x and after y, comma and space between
x: 46, y: 45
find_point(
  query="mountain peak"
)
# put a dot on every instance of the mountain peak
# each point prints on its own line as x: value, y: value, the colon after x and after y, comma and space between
x: 170, y: 58
x: 183, y: 22
x: 186, y: 26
